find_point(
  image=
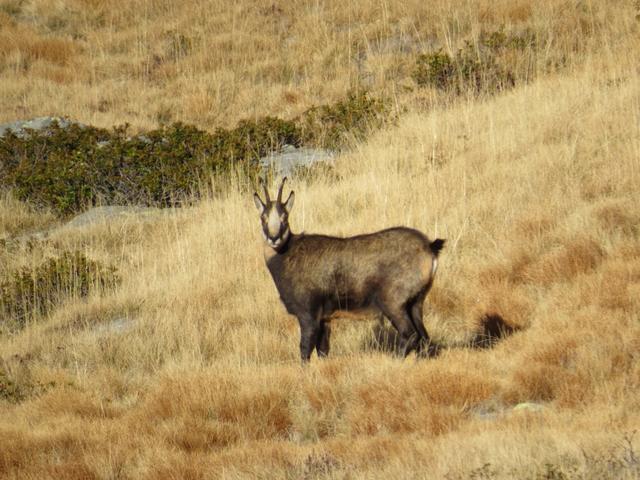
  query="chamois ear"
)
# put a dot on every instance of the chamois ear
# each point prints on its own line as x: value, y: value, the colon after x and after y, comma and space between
x: 288, y: 205
x: 259, y: 205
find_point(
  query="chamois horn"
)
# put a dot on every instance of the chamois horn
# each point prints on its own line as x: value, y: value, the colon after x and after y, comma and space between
x: 267, y: 198
x: 284, y: 179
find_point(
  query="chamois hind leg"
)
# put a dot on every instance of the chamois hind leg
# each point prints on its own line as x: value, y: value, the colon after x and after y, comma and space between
x: 401, y: 320
x: 415, y: 311
x: 322, y: 347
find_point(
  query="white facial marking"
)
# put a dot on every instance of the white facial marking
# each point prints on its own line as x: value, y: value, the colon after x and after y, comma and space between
x: 273, y: 223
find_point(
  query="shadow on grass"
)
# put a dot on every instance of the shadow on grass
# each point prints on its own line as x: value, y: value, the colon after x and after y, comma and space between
x: 492, y: 329
x: 385, y: 338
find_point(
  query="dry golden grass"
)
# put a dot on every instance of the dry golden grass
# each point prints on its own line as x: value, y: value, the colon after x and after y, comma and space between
x: 536, y: 191
x: 211, y: 63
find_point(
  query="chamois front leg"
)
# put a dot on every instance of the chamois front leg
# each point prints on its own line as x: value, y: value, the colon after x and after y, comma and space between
x: 309, y: 332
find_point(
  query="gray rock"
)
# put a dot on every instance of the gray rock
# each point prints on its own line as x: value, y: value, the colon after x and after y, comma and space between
x: 96, y: 216
x: 117, y: 326
x: 106, y: 214
x: 528, y: 407
x: 488, y: 416
x: 395, y: 44
x: 496, y: 412
x: 488, y: 412
x: 290, y: 158
x: 401, y: 44
x: 20, y: 127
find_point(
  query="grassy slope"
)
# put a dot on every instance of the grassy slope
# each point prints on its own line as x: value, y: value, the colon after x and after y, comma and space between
x: 209, y: 63
x: 536, y: 191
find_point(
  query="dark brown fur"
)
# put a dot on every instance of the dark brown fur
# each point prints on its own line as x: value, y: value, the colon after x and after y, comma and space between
x: 390, y: 271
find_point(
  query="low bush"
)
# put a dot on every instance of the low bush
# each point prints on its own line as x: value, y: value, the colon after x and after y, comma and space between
x: 32, y: 292
x: 17, y: 383
x: 436, y: 69
x: 68, y: 169
x: 71, y: 168
x: 9, y: 388
x: 332, y: 126
x: 486, y: 67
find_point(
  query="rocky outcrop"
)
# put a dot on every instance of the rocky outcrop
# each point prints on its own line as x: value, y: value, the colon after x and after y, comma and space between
x: 289, y: 158
x: 20, y: 127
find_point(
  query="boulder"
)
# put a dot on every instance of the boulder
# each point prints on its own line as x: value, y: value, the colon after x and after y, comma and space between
x: 289, y: 158
x: 20, y: 127
x: 106, y: 214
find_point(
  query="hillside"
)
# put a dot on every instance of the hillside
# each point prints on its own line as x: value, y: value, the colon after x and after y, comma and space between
x: 181, y: 362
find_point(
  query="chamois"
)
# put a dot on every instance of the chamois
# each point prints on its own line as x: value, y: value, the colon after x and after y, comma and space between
x: 389, y: 271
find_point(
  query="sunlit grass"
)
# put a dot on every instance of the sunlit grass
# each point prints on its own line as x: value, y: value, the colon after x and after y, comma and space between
x: 189, y: 368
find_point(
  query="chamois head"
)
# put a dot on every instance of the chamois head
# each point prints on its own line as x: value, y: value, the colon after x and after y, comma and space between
x: 274, y: 216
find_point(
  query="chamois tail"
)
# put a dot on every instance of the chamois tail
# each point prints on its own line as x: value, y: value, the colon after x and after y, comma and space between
x: 436, y: 246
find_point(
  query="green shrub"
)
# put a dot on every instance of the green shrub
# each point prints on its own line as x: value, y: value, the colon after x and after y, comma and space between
x: 9, y: 389
x: 16, y: 380
x: 498, y: 40
x: 71, y: 168
x: 249, y: 141
x: 436, y: 69
x: 469, y: 70
x: 331, y: 126
x: 487, y: 67
x: 480, y: 71
x: 13, y: 8
x: 32, y: 292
